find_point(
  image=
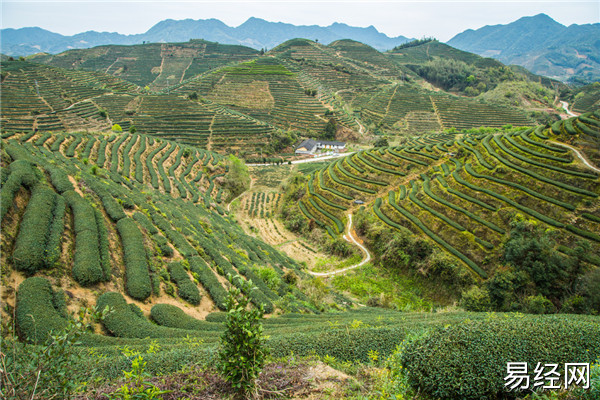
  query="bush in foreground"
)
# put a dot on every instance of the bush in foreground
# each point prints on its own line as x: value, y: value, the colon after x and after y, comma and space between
x: 469, y: 361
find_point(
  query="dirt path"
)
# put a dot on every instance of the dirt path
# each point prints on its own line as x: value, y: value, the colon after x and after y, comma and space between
x: 307, y: 160
x: 349, y: 238
x: 565, y: 106
x: 361, y: 128
x: 578, y: 154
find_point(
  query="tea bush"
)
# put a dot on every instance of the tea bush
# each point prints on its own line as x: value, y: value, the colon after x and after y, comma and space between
x: 469, y: 360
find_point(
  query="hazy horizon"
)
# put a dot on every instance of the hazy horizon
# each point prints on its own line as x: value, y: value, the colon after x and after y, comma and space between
x: 441, y: 19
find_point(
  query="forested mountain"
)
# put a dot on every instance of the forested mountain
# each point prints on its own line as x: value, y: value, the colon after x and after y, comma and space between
x: 541, y: 45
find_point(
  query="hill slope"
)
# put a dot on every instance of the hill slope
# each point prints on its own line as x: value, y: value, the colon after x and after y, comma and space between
x: 465, y: 192
x: 131, y: 214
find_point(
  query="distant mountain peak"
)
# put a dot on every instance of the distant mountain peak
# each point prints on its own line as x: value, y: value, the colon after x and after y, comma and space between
x: 538, y: 43
x: 254, y: 32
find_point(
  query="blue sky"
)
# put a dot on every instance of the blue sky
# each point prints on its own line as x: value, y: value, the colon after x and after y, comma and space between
x: 441, y: 19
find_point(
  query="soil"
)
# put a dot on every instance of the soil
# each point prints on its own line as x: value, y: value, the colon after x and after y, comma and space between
x: 313, y: 380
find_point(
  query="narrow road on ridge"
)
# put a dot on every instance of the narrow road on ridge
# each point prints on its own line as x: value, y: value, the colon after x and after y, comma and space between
x: 353, y: 241
x: 306, y: 160
x: 578, y: 154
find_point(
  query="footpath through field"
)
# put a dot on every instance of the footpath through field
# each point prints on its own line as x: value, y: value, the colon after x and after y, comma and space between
x: 349, y: 238
x: 578, y: 154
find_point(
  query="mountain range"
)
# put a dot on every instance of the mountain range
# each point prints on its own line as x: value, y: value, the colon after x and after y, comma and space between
x: 255, y: 32
x: 538, y: 43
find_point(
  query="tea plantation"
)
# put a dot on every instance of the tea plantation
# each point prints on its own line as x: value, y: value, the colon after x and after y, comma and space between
x: 462, y: 190
x: 124, y: 192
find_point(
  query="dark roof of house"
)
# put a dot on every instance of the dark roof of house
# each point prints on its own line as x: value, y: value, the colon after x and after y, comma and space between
x: 308, y: 144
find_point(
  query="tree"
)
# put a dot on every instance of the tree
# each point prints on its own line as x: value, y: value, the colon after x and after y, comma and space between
x: 381, y: 142
x: 117, y: 128
x: 132, y: 129
x: 237, y: 179
x: 243, y: 348
x: 330, y: 129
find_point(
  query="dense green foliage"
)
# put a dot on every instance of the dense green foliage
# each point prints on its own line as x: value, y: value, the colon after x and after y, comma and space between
x: 243, y: 351
x: 469, y: 360
x: 137, y: 277
x: 186, y: 289
x: 36, y: 310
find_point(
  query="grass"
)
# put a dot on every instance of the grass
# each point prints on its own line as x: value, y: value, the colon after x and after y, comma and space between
x: 333, y: 263
x: 387, y: 288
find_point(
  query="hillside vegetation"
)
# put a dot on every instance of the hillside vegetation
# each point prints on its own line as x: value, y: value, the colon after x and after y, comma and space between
x: 474, y: 195
x: 150, y: 217
x: 203, y: 91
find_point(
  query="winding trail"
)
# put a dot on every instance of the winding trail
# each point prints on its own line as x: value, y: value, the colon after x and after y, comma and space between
x: 361, y: 128
x: 349, y: 238
x: 579, y: 155
x: 565, y: 106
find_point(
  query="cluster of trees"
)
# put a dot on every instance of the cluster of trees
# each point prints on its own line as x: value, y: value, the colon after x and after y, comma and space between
x: 402, y: 251
x: 414, y: 43
x: 536, y: 278
x: 238, y: 178
x: 330, y: 129
x: 458, y: 76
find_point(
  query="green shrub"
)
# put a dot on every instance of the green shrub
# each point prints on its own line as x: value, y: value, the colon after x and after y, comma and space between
x: 86, y: 266
x: 336, y: 192
x: 112, y: 207
x: 21, y: 173
x: 174, y: 317
x: 70, y: 152
x: 186, y: 289
x: 60, y: 179
x: 104, y: 246
x: 361, y: 156
x: 145, y: 222
x: 163, y: 245
x: 209, y: 280
x: 476, y: 299
x: 36, y: 314
x: 29, y: 253
x: 525, y: 189
x: 57, y: 227
x: 124, y: 323
x: 469, y: 361
x: 117, y: 128
x: 150, y: 165
x: 427, y: 190
x: 243, y: 351
x: 137, y: 277
x: 539, y: 305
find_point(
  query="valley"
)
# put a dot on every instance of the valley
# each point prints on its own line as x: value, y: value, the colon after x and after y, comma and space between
x: 138, y: 181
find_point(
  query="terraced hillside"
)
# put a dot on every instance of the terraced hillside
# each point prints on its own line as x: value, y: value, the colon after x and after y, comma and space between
x: 300, y: 85
x: 463, y: 191
x: 264, y: 89
x: 156, y: 65
x: 129, y: 214
x: 587, y: 98
x: 43, y: 98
